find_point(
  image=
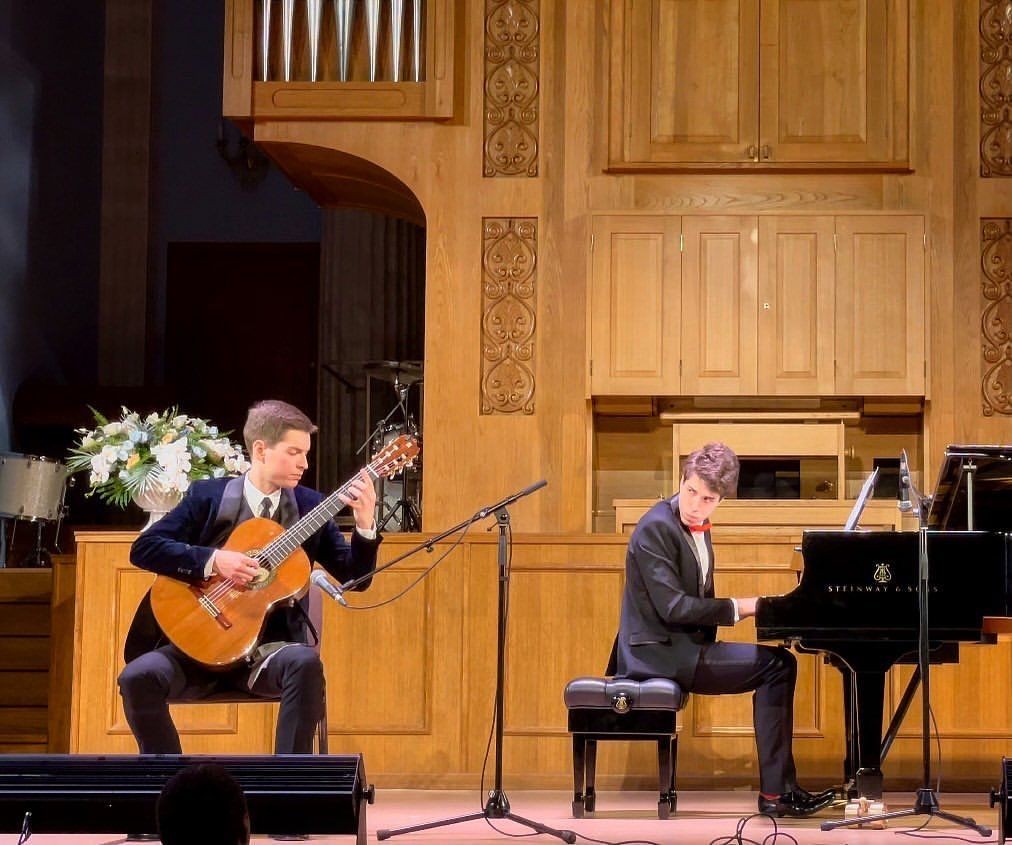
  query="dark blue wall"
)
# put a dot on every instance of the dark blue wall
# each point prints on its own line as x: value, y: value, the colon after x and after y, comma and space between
x: 195, y: 195
x: 50, y: 177
x: 51, y: 87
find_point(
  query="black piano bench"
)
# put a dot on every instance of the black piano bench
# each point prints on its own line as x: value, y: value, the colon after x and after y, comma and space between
x: 618, y: 708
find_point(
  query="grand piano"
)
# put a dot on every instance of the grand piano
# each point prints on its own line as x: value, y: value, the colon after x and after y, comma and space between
x: 857, y: 597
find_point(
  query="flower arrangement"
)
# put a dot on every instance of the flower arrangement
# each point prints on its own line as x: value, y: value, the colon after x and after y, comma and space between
x: 161, y: 453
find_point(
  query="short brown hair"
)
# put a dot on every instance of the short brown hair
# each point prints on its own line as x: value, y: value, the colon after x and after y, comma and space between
x: 270, y: 419
x: 716, y: 465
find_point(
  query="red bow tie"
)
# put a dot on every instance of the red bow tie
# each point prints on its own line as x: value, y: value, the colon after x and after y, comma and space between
x: 698, y: 529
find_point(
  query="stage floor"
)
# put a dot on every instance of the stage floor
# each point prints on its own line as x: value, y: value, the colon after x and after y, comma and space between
x: 702, y: 817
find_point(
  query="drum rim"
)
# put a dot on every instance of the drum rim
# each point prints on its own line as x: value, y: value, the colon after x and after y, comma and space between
x: 40, y: 458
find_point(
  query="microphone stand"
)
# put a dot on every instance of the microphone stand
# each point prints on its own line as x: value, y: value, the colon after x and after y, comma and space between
x: 497, y: 806
x: 926, y: 801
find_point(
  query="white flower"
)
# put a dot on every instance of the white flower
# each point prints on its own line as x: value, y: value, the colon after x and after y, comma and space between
x: 112, y: 428
x: 179, y: 421
x: 173, y: 457
x: 215, y: 448
x: 152, y: 418
x: 87, y: 442
x: 101, y: 465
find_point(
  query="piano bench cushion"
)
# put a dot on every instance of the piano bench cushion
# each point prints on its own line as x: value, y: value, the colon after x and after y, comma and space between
x: 622, y: 706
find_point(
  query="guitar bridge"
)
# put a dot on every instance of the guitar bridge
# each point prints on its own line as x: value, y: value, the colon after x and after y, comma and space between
x: 212, y: 609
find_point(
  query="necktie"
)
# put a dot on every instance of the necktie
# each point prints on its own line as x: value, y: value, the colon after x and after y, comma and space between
x: 265, y: 508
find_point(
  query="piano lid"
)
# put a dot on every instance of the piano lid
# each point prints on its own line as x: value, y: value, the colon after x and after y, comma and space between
x: 991, y: 468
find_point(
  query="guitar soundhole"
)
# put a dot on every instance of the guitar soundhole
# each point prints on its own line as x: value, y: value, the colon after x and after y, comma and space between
x: 263, y: 576
x: 260, y: 580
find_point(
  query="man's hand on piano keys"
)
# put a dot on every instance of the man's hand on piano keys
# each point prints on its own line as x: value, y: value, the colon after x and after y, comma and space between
x: 747, y: 607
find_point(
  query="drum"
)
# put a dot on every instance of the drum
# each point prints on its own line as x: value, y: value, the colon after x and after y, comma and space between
x: 31, y: 487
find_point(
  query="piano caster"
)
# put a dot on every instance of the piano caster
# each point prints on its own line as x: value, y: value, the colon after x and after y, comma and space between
x: 667, y: 805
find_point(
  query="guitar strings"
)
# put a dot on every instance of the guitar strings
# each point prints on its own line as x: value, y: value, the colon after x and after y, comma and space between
x: 225, y: 592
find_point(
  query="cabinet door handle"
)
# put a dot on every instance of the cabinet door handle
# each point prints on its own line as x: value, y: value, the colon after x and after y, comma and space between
x: 766, y: 152
x: 752, y: 152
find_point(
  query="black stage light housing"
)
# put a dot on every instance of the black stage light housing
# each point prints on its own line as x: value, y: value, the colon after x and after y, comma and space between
x: 287, y: 794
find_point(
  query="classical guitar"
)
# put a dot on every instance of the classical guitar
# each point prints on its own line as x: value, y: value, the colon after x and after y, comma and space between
x: 218, y: 622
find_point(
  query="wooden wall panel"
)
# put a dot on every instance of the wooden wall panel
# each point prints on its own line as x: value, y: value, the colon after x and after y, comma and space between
x: 411, y: 684
x: 24, y: 659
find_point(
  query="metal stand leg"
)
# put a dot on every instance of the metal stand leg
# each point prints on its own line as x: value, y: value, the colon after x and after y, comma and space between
x: 497, y: 806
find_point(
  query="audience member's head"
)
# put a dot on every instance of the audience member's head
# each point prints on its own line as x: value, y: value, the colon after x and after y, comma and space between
x: 203, y: 805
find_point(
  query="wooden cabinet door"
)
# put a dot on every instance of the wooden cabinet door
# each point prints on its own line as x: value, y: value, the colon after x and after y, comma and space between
x: 719, y: 306
x: 634, y: 305
x: 684, y: 82
x: 880, y: 330
x: 833, y: 81
x: 796, y: 293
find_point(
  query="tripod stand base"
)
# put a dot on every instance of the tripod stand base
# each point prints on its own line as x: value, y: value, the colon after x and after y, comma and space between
x: 925, y: 804
x: 497, y: 807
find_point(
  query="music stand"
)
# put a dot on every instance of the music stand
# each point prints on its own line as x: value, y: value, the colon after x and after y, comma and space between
x: 926, y: 800
x: 497, y: 806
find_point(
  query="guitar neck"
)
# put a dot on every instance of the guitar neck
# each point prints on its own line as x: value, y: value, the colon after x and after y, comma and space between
x: 284, y: 544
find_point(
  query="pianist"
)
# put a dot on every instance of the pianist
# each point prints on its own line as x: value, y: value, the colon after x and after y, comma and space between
x: 670, y: 617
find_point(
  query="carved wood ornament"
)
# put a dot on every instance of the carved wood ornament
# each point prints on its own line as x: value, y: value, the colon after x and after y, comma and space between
x: 995, y: 88
x: 508, y: 309
x: 512, y: 98
x: 996, y: 320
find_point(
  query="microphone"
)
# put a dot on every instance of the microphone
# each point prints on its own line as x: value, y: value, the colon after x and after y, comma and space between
x: 319, y: 577
x: 904, y: 504
x: 509, y: 500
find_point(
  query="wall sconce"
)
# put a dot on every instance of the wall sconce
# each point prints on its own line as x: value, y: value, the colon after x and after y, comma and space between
x: 243, y: 157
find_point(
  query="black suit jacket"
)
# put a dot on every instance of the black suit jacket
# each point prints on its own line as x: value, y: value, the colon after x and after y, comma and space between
x: 667, y: 614
x: 181, y: 542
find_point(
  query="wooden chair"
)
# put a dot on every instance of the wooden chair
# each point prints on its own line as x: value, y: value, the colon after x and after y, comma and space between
x: 240, y: 697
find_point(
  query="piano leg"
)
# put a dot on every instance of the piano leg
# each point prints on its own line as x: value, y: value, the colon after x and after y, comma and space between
x: 869, y: 687
x: 849, y: 725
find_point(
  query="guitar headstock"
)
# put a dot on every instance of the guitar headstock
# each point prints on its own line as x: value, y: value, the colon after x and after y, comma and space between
x: 396, y: 455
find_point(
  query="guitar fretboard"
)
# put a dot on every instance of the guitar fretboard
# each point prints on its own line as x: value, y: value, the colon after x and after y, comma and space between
x: 278, y: 549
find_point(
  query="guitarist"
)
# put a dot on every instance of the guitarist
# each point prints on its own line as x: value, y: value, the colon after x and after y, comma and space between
x: 183, y: 545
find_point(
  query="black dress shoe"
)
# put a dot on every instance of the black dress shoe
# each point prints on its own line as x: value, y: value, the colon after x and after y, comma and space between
x: 796, y: 803
x: 831, y: 793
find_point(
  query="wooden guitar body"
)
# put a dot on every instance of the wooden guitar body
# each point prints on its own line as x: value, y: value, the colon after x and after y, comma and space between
x: 218, y: 623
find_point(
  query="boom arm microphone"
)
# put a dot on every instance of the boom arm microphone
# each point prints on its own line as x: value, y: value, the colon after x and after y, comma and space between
x: 335, y: 591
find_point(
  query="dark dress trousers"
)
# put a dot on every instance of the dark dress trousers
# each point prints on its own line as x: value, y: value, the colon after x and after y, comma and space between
x: 179, y: 545
x: 668, y: 629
